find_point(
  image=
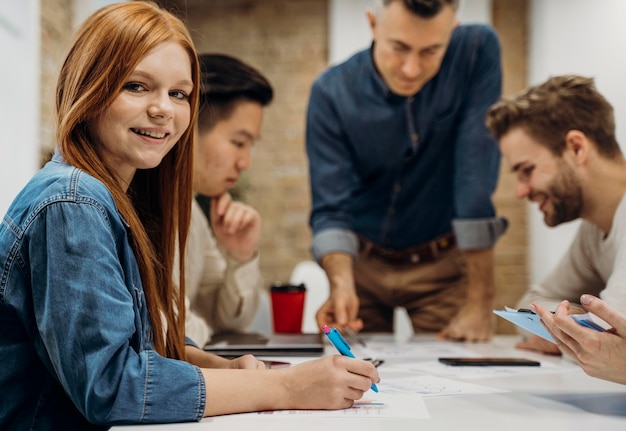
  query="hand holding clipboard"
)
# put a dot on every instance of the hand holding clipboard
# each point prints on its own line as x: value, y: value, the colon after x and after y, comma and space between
x: 531, y: 322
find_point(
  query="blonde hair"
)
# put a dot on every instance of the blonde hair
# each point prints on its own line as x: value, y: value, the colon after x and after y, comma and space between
x: 106, y: 49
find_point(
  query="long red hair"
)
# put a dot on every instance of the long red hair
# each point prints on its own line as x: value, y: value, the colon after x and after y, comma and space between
x: 157, y: 205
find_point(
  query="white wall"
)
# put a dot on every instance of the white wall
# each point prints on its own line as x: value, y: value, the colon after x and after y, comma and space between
x: 20, y: 34
x: 84, y: 8
x: 19, y: 104
x: 348, y: 28
x: 583, y: 37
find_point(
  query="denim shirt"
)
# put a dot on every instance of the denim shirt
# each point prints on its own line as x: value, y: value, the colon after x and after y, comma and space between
x: 75, y: 343
x: 402, y: 171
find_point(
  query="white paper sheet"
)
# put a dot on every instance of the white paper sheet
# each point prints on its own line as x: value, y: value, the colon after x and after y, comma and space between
x: 432, y: 386
x: 372, y: 405
x: 422, y: 350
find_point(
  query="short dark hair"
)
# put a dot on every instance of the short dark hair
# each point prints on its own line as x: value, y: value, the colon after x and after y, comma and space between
x: 548, y: 111
x: 425, y: 8
x: 226, y: 80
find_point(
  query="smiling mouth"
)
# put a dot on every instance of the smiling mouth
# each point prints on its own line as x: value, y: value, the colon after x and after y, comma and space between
x: 542, y: 204
x: 149, y: 133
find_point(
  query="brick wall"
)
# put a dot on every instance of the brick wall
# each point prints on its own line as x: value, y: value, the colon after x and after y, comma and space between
x: 287, y: 41
x: 56, y: 32
x: 510, y: 21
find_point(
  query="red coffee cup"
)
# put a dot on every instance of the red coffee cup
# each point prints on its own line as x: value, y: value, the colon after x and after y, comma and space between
x: 287, y: 307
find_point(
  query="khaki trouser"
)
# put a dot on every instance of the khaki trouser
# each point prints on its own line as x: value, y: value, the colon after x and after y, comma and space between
x: 431, y: 292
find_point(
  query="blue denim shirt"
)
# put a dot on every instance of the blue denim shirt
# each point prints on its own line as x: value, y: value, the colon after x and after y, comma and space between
x: 74, y: 329
x: 401, y: 171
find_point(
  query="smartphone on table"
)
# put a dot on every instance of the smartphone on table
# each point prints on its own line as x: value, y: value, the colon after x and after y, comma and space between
x: 508, y: 362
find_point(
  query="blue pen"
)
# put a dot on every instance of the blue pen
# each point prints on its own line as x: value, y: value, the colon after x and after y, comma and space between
x: 341, y: 345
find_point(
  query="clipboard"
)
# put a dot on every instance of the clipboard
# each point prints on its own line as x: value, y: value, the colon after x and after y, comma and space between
x: 531, y: 322
x: 527, y: 320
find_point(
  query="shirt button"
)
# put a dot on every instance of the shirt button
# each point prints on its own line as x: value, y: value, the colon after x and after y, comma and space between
x: 392, y: 211
x: 397, y: 187
x: 414, y: 137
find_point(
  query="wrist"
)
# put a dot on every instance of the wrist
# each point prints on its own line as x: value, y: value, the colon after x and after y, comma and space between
x: 342, y: 287
x: 284, y: 386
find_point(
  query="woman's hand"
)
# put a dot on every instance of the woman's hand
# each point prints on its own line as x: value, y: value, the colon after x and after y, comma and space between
x: 331, y: 382
x: 247, y: 362
x: 204, y: 359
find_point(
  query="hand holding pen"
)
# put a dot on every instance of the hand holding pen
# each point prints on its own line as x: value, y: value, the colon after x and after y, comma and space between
x: 341, y: 345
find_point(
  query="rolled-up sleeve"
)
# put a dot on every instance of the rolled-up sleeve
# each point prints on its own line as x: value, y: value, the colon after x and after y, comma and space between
x: 479, y: 233
x: 334, y: 241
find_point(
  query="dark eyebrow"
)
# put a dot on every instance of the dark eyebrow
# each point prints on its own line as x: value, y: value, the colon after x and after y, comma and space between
x: 399, y: 42
x: 516, y: 167
x: 434, y: 46
x: 246, y: 134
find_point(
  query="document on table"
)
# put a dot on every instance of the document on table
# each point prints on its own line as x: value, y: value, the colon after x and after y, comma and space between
x: 372, y: 405
x: 425, y: 350
x: 432, y: 386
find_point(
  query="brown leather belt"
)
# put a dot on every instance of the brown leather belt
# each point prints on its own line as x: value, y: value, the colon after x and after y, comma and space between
x: 427, y: 252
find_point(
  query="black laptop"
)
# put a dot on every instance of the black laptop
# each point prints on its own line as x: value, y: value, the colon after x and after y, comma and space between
x: 237, y: 344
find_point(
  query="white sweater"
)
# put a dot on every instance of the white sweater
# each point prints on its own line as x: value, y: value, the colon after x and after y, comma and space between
x: 595, y: 263
x: 223, y: 294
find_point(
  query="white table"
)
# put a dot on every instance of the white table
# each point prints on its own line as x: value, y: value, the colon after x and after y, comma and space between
x: 562, y: 400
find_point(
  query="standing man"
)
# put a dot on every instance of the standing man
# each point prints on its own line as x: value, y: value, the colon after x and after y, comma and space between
x: 559, y: 139
x: 402, y: 173
x: 223, y: 278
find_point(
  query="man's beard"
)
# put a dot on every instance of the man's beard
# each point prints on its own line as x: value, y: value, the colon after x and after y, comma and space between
x: 567, y: 198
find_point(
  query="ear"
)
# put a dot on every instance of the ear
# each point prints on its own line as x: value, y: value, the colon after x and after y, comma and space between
x: 578, y: 146
x: 371, y: 19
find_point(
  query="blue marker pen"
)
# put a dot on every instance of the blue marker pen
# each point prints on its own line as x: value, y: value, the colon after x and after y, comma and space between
x: 341, y: 345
